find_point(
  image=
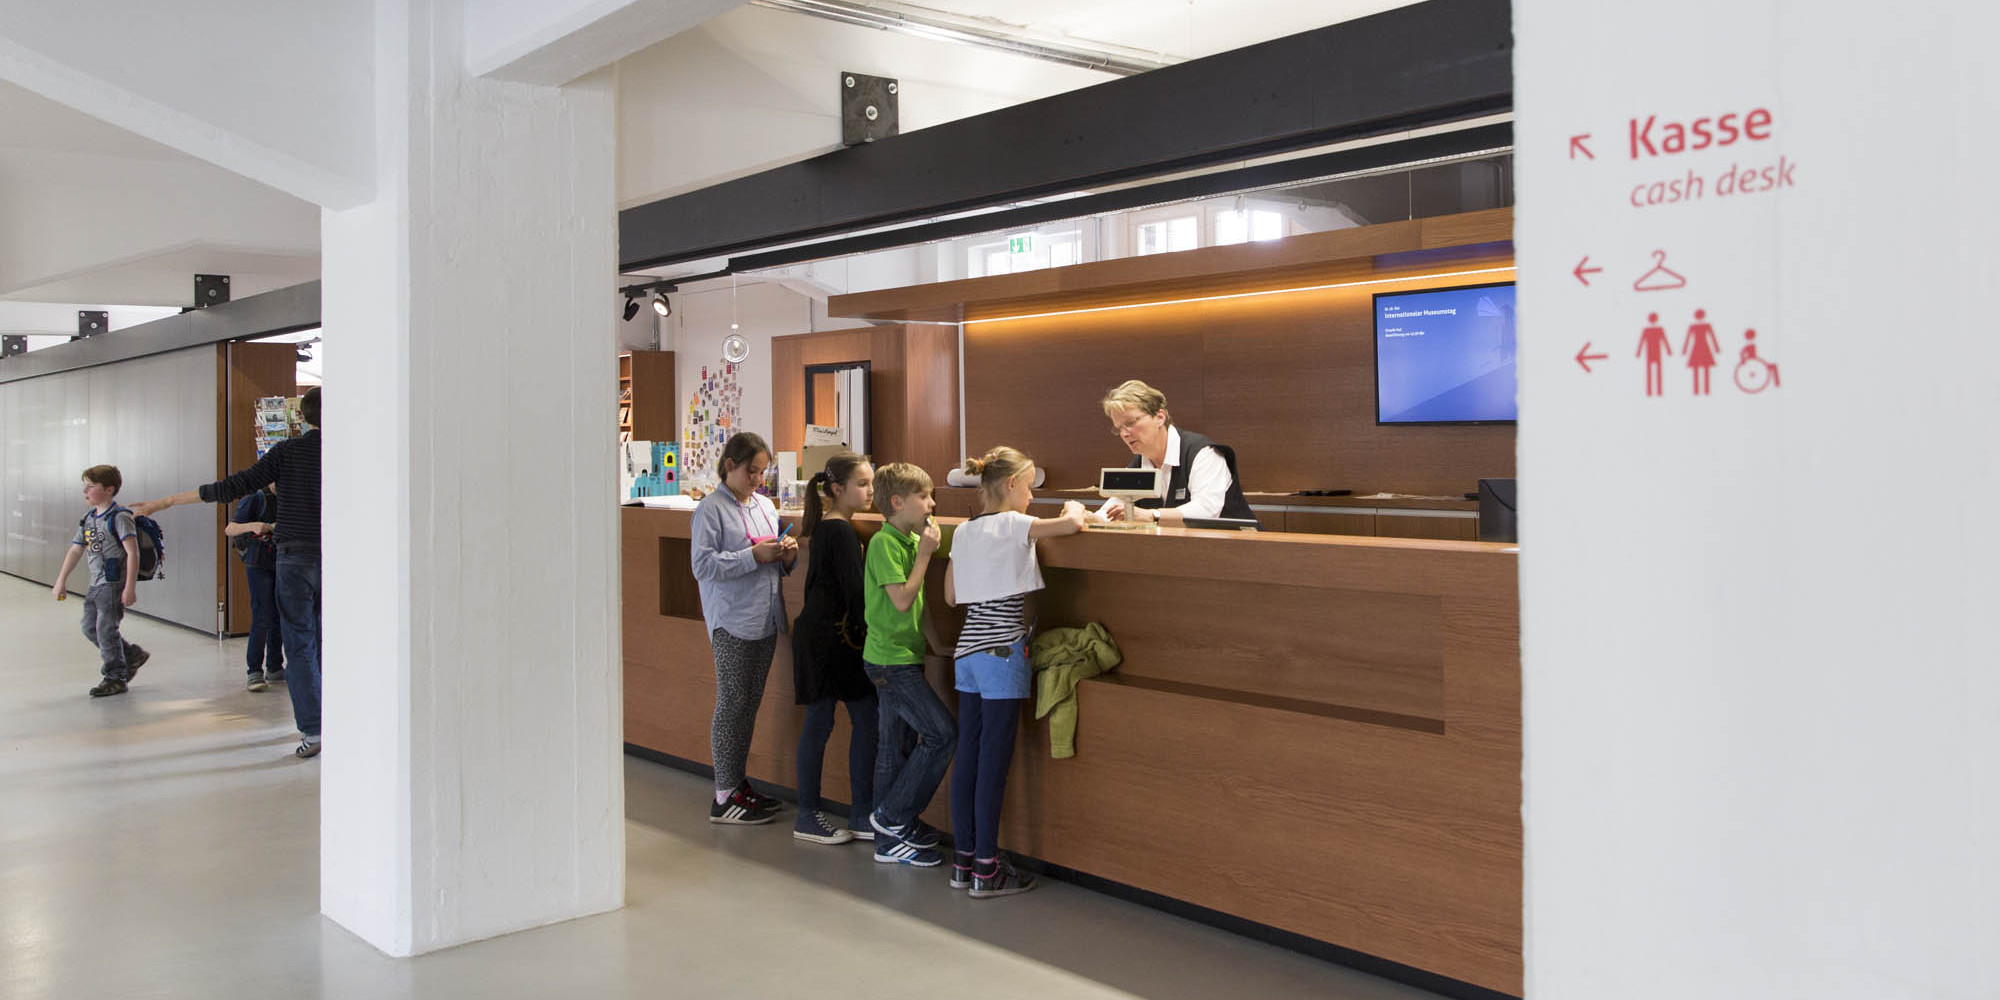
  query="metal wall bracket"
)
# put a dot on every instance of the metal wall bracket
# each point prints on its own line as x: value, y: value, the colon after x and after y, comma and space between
x: 13, y: 344
x: 91, y: 322
x: 867, y: 108
x: 210, y: 290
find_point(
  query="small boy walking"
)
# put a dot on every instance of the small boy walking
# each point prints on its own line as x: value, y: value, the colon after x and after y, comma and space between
x: 893, y: 657
x: 108, y: 538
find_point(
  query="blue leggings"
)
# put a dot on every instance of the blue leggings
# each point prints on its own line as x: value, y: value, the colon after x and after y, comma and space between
x: 986, y: 728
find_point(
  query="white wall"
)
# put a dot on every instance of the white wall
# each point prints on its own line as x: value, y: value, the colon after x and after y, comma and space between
x: 1761, y: 709
x: 756, y: 88
x: 229, y: 81
x: 154, y: 418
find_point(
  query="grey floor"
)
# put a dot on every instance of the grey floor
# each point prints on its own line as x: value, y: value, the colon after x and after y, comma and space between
x: 164, y: 844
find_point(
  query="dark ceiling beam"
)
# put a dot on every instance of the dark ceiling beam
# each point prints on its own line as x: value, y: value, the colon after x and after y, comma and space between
x: 295, y: 307
x: 1425, y: 64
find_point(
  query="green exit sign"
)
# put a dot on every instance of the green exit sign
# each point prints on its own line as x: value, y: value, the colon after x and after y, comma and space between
x: 1021, y: 244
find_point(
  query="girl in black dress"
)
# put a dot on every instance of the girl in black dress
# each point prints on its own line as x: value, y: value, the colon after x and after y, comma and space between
x: 826, y: 649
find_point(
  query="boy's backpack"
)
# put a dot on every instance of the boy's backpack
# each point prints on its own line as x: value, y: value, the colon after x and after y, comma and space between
x: 152, y: 549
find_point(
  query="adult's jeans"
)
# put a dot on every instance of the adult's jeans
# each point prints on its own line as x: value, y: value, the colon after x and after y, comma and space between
x: 298, y: 621
x: 267, y: 639
x: 864, y: 717
x: 904, y: 787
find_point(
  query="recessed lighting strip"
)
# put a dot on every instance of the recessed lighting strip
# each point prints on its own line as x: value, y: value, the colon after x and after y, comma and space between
x: 1247, y: 295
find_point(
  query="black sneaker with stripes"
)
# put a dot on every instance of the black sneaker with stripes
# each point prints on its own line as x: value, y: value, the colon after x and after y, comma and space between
x: 894, y: 851
x: 993, y: 877
x: 739, y: 810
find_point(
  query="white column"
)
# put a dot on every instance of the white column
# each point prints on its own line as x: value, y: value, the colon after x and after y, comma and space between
x: 1761, y: 695
x: 471, y: 780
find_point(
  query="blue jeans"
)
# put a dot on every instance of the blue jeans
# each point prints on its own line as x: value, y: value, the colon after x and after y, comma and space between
x: 979, y: 780
x: 863, y: 716
x: 298, y: 620
x: 904, y: 787
x: 267, y: 640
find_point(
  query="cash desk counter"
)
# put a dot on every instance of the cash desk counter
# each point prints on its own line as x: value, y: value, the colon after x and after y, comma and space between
x: 1316, y: 733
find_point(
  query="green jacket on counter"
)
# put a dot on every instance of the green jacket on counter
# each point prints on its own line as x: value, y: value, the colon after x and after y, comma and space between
x: 1064, y: 658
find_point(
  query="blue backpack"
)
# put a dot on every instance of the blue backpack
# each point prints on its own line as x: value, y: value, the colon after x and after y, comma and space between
x: 152, y: 548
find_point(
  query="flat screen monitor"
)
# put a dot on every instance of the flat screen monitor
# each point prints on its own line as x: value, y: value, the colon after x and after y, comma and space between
x: 1445, y: 356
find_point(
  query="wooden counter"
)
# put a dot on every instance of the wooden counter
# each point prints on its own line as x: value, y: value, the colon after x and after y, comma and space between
x: 1318, y: 733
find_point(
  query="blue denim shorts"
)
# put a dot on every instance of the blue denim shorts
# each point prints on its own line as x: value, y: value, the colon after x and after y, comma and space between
x: 990, y: 674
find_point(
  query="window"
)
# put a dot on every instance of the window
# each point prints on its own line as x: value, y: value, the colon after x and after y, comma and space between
x: 1169, y: 235
x: 1239, y: 226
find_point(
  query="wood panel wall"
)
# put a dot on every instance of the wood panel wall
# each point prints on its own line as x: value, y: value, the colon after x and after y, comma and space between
x: 1287, y: 380
x: 912, y: 390
x: 249, y: 372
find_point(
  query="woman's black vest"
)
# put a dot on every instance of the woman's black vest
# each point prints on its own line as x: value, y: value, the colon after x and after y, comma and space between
x: 1233, y: 504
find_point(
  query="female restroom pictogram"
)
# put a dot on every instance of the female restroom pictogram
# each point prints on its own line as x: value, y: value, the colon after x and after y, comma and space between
x: 1654, y: 344
x: 1753, y: 373
x: 1700, y: 348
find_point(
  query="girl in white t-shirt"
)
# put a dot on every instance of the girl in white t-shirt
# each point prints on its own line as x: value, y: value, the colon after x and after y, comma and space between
x: 992, y: 571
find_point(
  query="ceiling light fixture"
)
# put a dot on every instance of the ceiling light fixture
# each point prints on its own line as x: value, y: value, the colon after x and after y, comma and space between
x: 654, y: 292
x: 661, y: 305
x: 1246, y: 295
x: 631, y: 307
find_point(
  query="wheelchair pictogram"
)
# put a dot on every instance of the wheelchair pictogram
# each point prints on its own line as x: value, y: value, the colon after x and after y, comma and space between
x: 1754, y: 374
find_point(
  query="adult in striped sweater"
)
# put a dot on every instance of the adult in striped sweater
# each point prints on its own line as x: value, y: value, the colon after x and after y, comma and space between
x: 294, y: 465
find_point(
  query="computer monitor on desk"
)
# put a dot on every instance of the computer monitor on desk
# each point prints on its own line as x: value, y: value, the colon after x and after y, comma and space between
x: 1496, y: 511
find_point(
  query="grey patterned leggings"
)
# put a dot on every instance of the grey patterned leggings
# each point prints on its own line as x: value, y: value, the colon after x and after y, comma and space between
x: 741, y: 666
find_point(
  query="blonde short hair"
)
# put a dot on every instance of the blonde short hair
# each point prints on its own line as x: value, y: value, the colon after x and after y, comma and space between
x: 898, y: 479
x: 1135, y: 395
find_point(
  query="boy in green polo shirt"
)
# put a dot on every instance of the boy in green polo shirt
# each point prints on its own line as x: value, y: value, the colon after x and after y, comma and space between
x: 898, y: 557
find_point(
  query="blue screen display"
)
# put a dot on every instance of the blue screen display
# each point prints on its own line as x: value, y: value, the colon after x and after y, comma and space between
x: 1445, y: 356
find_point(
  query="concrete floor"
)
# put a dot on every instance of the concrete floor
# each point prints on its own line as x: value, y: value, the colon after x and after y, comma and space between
x: 164, y: 843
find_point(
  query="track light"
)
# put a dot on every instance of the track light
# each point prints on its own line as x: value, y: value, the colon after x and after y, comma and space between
x: 631, y: 307
x: 661, y: 305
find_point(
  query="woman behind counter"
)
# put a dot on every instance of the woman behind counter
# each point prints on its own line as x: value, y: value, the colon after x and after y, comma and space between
x: 1201, y: 475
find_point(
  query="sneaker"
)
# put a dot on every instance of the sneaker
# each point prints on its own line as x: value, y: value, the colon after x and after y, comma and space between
x: 306, y: 748
x: 916, y: 833
x: 256, y: 683
x: 862, y: 832
x: 107, y: 687
x: 757, y: 798
x: 135, y: 661
x: 961, y: 869
x: 738, y: 810
x: 1001, y: 879
x: 891, y: 851
x: 275, y: 676
x: 814, y: 826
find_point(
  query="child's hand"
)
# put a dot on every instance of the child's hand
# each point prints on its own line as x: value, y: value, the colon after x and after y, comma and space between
x: 61, y: 592
x: 788, y: 549
x: 131, y: 596
x: 927, y: 542
x: 765, y: 551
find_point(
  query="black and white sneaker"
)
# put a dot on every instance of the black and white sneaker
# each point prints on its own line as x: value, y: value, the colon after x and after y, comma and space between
x: 306, y: 749
x: 862, y: 832
x: 998, y: 878
x: 759, y: 799
x: 961, y: 869
x: 255, y: 682
x: 916, y: 833
x: 739, y: 810
x: 818, y: 828
x: 890, y: 851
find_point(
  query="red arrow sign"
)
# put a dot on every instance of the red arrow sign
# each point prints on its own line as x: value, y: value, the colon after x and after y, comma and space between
x: 1582, y: 270
x: 1576, y: 146
x: 1583, y: 357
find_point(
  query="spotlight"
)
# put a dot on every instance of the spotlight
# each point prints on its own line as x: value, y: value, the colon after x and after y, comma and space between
x: 661, y: 305
x: 631, y: 307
